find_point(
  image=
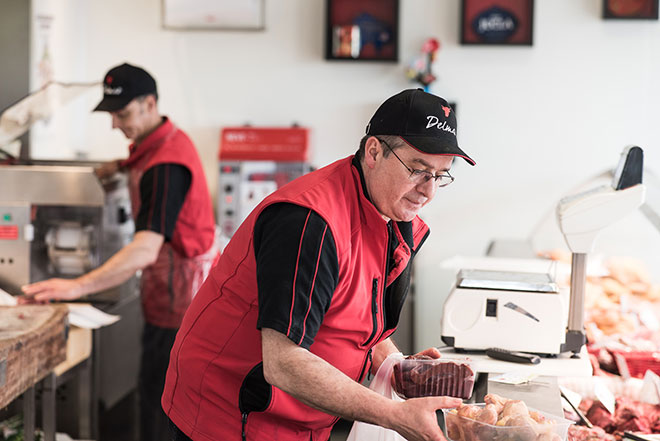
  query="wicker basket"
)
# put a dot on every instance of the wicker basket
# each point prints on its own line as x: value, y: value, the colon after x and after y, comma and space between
x: 32, y: 343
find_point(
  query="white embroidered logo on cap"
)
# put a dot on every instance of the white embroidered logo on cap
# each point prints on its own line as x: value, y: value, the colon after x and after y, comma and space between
x: 107, y: 90
x: 434, y: 121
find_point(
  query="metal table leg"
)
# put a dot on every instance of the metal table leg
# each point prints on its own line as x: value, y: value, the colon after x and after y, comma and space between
x: 48, y: 406
x: 93, y: 377
x: 85, y: 401
x: 28, y: 414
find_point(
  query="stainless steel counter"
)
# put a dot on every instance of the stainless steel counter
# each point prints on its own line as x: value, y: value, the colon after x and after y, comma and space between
x: 542, y: 393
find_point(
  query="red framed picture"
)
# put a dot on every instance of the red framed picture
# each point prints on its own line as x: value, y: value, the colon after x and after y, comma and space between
x: 362, y: 30
x: 497, y: 22
x: 626, y: 9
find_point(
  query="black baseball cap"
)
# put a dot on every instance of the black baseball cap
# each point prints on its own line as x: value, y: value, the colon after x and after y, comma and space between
x: 124, y: 83
x: 424, y: 121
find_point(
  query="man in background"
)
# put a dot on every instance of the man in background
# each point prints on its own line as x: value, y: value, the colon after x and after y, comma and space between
x: 174, y: 224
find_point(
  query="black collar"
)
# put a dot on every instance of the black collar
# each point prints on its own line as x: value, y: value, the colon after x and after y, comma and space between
x: 358, y: 166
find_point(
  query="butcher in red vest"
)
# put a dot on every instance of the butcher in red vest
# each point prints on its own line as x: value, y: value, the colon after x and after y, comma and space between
x: 306, y: 294
x: 174, y: 224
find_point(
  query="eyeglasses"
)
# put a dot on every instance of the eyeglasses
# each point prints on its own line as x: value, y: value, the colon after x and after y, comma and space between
x: 422, y: 176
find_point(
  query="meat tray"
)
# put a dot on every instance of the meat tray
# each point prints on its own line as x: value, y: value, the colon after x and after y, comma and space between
x: 424, y: 377
x: 460, y: 428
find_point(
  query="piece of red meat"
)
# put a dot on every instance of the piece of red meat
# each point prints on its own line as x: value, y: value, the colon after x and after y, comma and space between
x: 635, y: 416
x: 629, y: 415
x: 433, y: 377
x: 601, y: 417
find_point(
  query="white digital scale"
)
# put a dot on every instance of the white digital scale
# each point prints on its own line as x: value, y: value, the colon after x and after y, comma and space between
x: 501, y: 309
x: 525, y: 312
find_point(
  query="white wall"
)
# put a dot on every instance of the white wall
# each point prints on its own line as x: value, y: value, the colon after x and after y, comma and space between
x: 538, y: 120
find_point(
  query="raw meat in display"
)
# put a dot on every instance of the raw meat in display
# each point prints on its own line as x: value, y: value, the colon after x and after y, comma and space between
x: 599, y: 416
x: 629, y: 416
x: 583, y: 433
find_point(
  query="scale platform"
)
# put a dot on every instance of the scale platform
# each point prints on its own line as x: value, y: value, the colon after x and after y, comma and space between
x: 560, y: 366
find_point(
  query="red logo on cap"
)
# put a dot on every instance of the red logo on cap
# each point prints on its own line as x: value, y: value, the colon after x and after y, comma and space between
x: 447, y: 110
x: 108, y: 79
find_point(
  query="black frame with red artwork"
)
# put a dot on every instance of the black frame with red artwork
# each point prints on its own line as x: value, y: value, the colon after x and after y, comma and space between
x: 497, y: 22
x: 362, y: 30
x: 630, y: 9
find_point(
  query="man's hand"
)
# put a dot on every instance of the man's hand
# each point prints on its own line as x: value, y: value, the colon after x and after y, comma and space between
x: 416, y: 419
x: 140, y: 253
x: 53, y: 289
x: 107, y: 169
x: 430, y: 352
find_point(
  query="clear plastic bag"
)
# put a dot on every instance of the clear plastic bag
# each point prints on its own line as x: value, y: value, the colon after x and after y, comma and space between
x: 382, y: 384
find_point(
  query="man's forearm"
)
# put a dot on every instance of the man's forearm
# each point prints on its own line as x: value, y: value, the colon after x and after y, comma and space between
x: 137, y: 255
x: 318, y: 384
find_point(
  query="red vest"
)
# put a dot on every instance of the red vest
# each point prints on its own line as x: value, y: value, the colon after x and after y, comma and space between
x: 218, y: 343
x: 168, y: 285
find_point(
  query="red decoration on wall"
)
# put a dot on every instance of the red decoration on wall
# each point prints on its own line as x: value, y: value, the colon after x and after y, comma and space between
x: 264, y: 144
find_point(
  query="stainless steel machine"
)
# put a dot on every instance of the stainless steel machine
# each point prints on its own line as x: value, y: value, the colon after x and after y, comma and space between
x: 58, y: 220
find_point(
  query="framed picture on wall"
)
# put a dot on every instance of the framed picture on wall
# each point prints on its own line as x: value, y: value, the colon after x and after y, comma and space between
x: 626, y: 9
x: 244, y: 15
x: 362, y: 30
x: 497, y: 22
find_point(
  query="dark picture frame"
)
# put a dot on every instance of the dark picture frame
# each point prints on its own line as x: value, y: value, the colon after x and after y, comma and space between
x: 630, y: 9
x: 362, y: 30
x: 497, y: 22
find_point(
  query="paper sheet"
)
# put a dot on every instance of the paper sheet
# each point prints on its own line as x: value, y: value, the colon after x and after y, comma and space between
x: 569, y: 395
x: 80, y: 314
x: 604, y: 395
x: 651, y: 389
x: 7, y: 299
x: 86, y: 316
x: 514, y: 377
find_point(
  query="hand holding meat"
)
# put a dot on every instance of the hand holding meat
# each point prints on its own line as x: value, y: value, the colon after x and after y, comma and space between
x: 416, y: 419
